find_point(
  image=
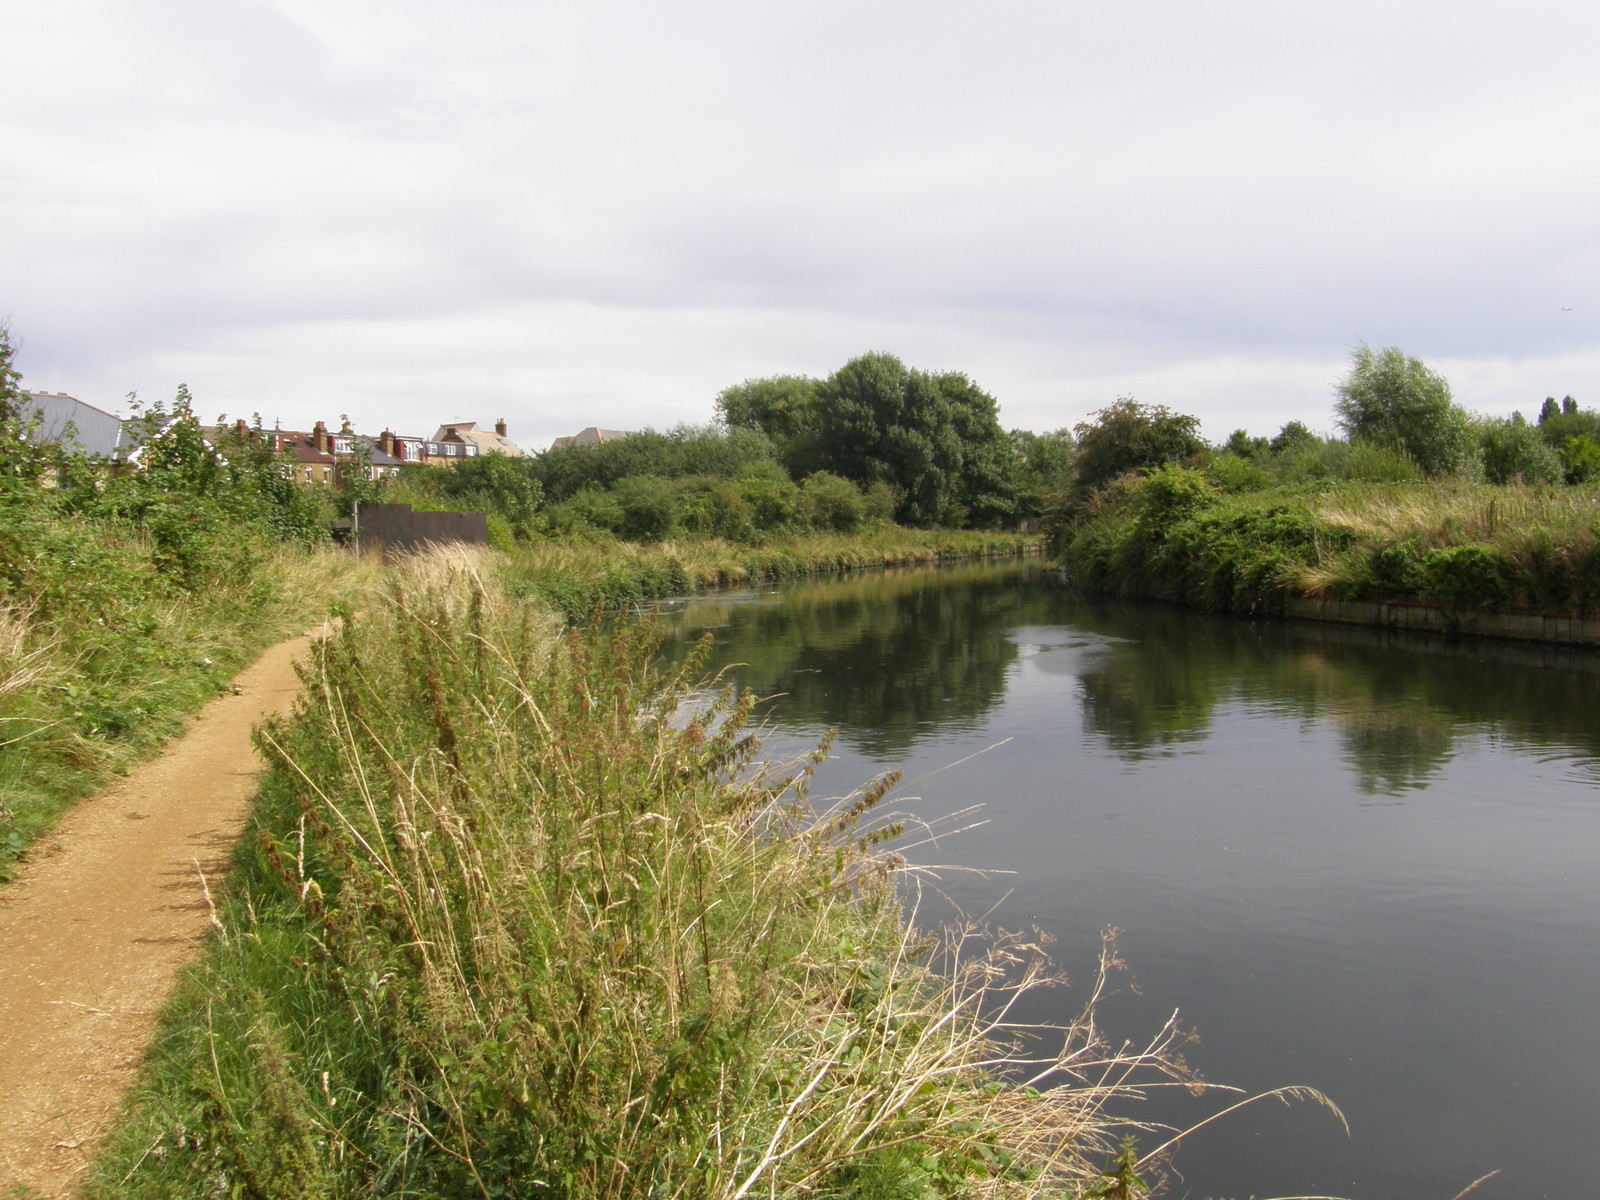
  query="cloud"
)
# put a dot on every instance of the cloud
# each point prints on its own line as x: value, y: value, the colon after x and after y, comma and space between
x: 605, y: 213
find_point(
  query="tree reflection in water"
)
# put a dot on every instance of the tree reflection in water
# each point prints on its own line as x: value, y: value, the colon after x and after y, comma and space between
x: 891, y: 657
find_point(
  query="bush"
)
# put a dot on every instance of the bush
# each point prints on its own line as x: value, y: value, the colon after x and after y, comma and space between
x: 1129, y: 436
x: 1168, y: 495
x: 1470, y: 575
x: 773, y: 498
x: 1580, y: 459
x: 1514, y: 452
x: 1326, y: 460
x: 649, y: 506
x: 1232, y: 473
x: 833, y: 503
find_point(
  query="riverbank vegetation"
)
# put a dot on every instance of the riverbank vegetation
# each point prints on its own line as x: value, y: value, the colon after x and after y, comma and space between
x: 523, y: 917
x: 127, y: 602
x: 1420, y: 502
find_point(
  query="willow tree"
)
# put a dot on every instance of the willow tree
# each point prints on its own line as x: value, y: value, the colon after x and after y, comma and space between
x: 1393, y: 400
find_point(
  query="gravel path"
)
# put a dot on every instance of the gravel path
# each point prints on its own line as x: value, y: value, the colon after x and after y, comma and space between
x: 100, y: 919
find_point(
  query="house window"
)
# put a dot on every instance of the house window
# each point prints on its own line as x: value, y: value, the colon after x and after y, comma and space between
x: 341, y: 445
x: 327, y: 473
x: 308, y: 474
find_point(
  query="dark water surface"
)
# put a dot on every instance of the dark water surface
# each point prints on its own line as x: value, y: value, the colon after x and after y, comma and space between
x: 1355, y: 861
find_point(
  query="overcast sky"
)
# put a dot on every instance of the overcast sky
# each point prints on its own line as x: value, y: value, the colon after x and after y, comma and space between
x: 604, y: 213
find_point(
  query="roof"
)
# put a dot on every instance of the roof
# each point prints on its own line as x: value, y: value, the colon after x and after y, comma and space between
x: 301, y: 445
x: 488, y: 441
x: 592, y: 436
x: 93, y: 430
x: 378, y: 456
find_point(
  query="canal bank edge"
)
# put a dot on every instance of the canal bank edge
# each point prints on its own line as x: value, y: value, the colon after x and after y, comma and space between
x: 1422, y: 618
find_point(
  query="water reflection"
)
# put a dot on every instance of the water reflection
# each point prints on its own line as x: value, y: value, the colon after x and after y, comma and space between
x: 884, y: 657
x: 897, y: 657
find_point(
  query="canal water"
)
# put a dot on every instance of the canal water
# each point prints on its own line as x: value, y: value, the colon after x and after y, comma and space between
x: 1352, y: 860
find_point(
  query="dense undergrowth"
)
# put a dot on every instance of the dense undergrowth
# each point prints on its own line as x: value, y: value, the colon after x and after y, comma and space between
x: 128, y: 601
x: 523, y: 917
x: 1199, y: 537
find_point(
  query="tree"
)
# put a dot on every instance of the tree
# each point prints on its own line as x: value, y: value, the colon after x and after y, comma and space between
x: 1559, y: 423
x: 21, y: 456
x: 1129, y: 436
x: 1241, y: 445
x: 779, y: 406
x: 1392, y: 400
x: 1290, y: 436
x: 1043, y: 470
x: 1514, y: 451
x: 935, y: 438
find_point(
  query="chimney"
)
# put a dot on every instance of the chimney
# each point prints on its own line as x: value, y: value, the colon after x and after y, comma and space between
x: 240, y: 428
x: 386, y: 443
x: 500, y: 427
x: 319, y: 437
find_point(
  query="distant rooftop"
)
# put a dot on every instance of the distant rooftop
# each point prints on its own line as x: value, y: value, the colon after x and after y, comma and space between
x: 76, y: 424
x: 592, y: 436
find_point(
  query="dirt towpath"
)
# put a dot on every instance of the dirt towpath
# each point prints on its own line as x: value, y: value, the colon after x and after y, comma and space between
x: 97, y: 924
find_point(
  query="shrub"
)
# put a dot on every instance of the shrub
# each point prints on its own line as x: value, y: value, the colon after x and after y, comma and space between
x: 1129, y: 436
x: 831, y: 502
x: 1232, y: 473
x: 1580, y: 458
x: 773, y: 498
x: 1513, y: 452
x: 1471, y: 575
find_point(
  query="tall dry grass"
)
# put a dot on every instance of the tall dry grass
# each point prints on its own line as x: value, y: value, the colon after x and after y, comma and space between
x: 1451, y: 511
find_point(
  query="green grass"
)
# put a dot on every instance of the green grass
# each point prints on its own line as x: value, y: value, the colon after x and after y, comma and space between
x: 524, y: 915
x: 103, y: 656
x: 1175, y: 535
x: 575, y: 576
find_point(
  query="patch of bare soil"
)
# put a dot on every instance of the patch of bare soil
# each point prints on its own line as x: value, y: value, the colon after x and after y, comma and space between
x: 98, y: 922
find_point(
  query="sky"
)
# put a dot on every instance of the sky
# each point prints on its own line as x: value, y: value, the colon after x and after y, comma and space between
x: 604, y: 213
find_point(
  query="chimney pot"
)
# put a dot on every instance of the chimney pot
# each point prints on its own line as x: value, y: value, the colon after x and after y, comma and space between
x: 500, y: 427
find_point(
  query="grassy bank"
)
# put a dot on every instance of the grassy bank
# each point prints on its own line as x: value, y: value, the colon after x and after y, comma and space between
x: 104, y: 653
x: 1183, y: 535
x: 521, y: 918
x: 574, y: 577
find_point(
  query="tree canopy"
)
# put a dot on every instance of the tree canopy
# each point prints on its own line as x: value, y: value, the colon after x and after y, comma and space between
x: 1129, y: 436
x: 1394, y: 400
x: 935, y: 437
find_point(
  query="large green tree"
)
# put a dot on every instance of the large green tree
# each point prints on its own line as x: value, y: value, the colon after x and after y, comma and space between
x: 935, y: 437
x: 781, y: 406
x: 1393, y: 400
